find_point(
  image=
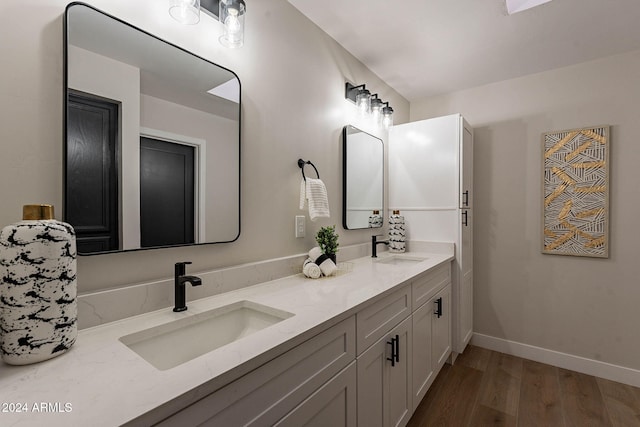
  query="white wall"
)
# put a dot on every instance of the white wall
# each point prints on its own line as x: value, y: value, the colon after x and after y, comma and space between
x: 293, y: 106
x: 220, y: 137
x: 582, y: 306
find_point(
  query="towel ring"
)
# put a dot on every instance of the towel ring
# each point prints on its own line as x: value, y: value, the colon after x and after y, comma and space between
x: 301, y: 164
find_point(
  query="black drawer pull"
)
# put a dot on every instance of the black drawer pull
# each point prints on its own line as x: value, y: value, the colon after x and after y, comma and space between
x: 395, y: 350
x: 438, y: 307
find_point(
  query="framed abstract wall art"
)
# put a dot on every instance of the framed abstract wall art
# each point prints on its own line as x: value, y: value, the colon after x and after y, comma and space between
x: 576, y: 192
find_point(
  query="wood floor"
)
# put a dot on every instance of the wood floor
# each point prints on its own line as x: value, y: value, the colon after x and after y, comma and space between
x: 487, y: 388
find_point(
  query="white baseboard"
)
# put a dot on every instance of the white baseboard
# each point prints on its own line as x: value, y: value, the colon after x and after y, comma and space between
x: 561, y: 360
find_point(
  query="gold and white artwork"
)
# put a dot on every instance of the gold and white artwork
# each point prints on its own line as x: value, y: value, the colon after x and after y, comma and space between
x: 576, y: 192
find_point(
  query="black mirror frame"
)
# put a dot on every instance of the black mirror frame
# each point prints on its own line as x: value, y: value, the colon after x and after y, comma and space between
x: 65, y: 32
x: 344, y: 178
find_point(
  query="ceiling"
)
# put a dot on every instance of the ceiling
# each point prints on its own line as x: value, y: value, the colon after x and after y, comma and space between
x: 426, y: 47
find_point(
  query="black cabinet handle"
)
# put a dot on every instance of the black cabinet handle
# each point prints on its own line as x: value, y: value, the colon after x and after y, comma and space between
x: 465, y: 221
x: 392, y: 343
x: 438, y: 307
x: 466, y: 198
x: 395, y: 350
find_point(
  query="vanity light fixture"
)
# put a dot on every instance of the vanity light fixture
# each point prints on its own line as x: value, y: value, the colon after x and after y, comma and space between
x: 380, y: 111
x: 230, y: 13
x: 360, y: 95
x: 376, y: 108
x: 387, y: 116
x: 185, y: 11
x: 363, y: 101
x: 232, y: 17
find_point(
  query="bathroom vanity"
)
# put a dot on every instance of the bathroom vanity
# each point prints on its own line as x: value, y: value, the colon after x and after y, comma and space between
x: 337, y: 348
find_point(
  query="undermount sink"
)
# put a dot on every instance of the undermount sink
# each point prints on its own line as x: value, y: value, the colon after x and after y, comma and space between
x: 400, y: 259
x: 174, y: 343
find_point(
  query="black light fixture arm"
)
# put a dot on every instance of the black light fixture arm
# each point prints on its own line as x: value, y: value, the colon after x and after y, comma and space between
x: 212, y: 7
x: 351, y: 91
x: 387, y: 109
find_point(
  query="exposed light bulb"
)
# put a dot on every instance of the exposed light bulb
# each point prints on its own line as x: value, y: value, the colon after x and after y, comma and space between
x: 232, y: 17
x: 233, y: 26
x: 362, y: 107
x: 376, y: 110
x: 387, y: 117
x: 363, y: 101
x: 375, y: 114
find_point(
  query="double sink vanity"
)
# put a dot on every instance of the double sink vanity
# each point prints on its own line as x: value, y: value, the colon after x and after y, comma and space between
x: 283, y: 352
x: 360, y: 348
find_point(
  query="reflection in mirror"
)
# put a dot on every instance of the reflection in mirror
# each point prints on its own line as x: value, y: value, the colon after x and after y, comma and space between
x: 363, y: 169
x: 152, y: 139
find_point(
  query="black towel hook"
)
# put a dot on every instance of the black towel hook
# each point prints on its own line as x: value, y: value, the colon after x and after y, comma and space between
x: 301, y: 164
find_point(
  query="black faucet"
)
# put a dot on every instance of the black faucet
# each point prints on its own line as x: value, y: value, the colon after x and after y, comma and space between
x: 180, y: 278
x: 374, y: 245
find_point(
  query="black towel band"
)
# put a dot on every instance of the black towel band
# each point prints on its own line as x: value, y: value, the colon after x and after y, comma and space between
x: 322, y: 258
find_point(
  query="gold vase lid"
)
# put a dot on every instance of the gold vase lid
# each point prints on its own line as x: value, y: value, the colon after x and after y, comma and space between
x: 396, y: 212
x: 37, y: 212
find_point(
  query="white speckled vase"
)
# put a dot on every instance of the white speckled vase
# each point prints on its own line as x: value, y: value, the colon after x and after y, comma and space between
x: 397, y: 233
x: 38, y: 307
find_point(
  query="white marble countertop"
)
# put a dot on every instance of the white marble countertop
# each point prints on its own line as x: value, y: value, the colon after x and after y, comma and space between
x: 101, y: 382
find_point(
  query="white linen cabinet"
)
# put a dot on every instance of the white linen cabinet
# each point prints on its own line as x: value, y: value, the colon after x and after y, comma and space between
x: 431, y: 183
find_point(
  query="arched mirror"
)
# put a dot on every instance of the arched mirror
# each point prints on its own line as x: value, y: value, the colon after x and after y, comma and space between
x: 363, y: 179
x: 152, y: 144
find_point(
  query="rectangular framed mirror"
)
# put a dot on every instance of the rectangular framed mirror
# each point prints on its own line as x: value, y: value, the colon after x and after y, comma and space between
x: 363, y: 179
x: 152, y: 139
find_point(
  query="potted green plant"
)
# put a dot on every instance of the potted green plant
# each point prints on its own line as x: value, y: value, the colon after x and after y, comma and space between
x: 327, y: 239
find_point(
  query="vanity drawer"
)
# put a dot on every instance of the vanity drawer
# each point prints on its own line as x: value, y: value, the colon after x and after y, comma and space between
x: 374, y: 321
x: 424, y: 287
x: 265, y: 395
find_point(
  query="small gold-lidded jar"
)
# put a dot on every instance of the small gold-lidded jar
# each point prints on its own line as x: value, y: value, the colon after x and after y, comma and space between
x: 37, y: 212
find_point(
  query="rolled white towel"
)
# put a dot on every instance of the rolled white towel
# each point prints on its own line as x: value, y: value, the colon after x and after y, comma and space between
x: 327, y: 266
x: 311, y: 270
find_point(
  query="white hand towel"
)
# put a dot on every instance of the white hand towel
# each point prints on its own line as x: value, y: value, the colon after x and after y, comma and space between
x: 311, y: 269
x: 303, y: 193
x: 315, y: 192
x: 327, y: 266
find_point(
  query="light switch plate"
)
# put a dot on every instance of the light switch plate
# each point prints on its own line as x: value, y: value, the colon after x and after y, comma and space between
x: 300, y: 226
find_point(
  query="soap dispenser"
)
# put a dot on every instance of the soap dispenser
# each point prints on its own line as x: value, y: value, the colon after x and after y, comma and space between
x: 38, y: 308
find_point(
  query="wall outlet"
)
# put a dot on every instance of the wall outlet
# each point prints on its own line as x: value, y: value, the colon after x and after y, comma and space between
x: 300, y: 226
